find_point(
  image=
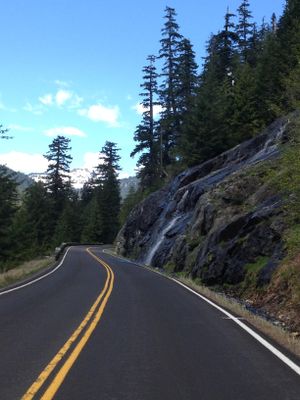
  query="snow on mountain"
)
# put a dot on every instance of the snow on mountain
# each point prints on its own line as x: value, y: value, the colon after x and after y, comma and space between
x: 78, y: 177
x: 81, y: 175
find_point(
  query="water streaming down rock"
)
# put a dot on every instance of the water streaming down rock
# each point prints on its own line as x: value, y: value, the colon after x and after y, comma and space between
x: 196, y: 221
x: 159, y: 240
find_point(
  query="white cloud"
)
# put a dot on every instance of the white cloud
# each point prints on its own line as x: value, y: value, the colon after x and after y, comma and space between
x: 36, y: 110
x: 65, y: 131
x: 140, y: 109
x: 60, y: 83
x: 91, y: 160
x: 62, y: 96
x: 100, y: 113
x: 47, y: 99
x: 24, y: 162
x: 20, y: 128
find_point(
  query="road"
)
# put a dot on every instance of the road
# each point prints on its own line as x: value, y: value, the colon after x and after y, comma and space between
x: 116, y: 331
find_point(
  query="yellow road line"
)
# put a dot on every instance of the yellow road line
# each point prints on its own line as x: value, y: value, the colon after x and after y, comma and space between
x: 50, y: 392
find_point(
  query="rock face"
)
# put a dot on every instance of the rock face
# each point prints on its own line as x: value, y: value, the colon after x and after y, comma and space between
x: 217, y: 220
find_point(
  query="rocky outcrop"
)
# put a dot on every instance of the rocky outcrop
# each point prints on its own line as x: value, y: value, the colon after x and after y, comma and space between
x: 217, y: 221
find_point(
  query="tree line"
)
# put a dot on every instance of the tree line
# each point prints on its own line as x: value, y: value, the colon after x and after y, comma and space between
x: 53, y: 212
x: 250, y: 76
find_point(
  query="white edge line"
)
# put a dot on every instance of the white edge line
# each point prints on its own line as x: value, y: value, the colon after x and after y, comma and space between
x: 39, y: 278
x: 251, y: 332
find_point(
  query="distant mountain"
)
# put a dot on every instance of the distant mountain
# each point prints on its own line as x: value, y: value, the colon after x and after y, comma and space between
x: 81, y: 175
x: 126, y: 184
x: 23, y: 180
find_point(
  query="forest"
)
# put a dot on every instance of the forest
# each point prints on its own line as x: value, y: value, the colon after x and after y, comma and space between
x: 250, y: 76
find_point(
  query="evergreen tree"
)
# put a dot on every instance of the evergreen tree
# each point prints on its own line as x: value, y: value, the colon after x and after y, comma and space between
x: 8, y: 207
x: 226, y: 47
x: 244, y: 30
x: 58, y: 181
x: 208, y: 130
x: 87, y: 192
x: 146, y: 132
x: 108, y: 192
x: 92, y: 226
x: 33, y: 221
x: 169, y: 51
x: 188, y: 84
x: 274, y: 23
x: 187, y: 76
x: 288, y: 34
x: 69, y: 226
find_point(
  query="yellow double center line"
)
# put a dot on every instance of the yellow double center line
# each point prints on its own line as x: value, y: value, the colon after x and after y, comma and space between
x: 92, y: 318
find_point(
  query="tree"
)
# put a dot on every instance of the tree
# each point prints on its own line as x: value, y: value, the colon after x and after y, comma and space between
x: 244, y: 30
x: 58, y: 181
x: 188, y: 84
x: 146, y: 134
x: 226, y: 47
x: 69, y: 226
x: 8, y: 207
x: 33, y: 221
x: 108, y: 192
x: 168, y: 93
x: 92, y: 226
x: 288, y: 33
x: 208, y: 128
x: 187, y: 76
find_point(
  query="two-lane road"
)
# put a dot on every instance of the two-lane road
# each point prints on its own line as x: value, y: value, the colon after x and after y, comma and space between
x: 103, y: 328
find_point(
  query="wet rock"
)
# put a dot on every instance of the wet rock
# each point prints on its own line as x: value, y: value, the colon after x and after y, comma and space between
x: 220, y: 211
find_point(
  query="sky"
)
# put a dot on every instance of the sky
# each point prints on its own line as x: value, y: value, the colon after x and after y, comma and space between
x: 74, y: 68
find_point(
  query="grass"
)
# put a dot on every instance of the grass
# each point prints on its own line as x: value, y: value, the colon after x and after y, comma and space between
x: 278, y: 334
x: 24, y: 271
x: 284, y: 338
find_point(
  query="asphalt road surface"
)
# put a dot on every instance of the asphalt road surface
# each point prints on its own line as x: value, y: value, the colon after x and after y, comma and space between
x: 111, y: 330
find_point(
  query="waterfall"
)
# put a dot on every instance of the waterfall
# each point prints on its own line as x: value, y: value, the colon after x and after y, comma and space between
x: 271, y: 146
x: 159, y: 240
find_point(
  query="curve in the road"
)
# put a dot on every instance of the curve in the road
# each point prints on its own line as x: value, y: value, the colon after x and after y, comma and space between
x: 90, y: 324
x: 34, y: 280
x: 286, y: 360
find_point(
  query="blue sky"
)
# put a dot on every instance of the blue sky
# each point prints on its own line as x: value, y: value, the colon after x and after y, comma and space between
x: 73, y: 67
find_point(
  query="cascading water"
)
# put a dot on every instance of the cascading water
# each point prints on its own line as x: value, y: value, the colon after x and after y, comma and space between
x: 146, y: 234
x: 159, y: 240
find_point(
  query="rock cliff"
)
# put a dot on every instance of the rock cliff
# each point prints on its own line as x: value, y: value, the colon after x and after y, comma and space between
x: 216, y: 221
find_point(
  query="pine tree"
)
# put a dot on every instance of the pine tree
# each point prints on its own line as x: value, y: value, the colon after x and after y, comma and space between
x: 169, y: 51
x: 69, y: 226
x: 8, y: 207
x: 244, y: 30
x: 188, y: 84
x: 187, y: 76
x: 33, y: 221
x: 288, y: 34
x: 226, y: 47
x: 108, y: 192
x: 92, y: 221
x: 146, y: 132
x: 274, y: 23
x: 58, y: 181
